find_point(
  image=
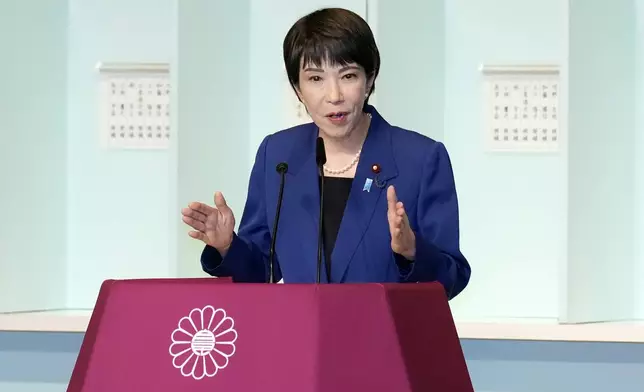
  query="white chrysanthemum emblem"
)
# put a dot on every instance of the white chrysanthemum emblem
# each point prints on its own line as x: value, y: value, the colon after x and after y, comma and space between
x: 203, y: 342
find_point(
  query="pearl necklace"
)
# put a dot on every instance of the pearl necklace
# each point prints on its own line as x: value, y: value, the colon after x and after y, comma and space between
x: 355, y: 160
x: 347, y: 167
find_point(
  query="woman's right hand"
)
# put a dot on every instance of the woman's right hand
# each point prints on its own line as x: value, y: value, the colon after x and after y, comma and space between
x: 212, y: 225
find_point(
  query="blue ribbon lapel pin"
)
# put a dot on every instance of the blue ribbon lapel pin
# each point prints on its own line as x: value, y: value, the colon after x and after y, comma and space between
x: 367, y: 185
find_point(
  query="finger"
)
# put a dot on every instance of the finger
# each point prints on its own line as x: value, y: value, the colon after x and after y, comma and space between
x: 195, y: 224
x: 200, y: 207
x: 220, y: 202
x: 391, y: 198
x: 399, y: 221
x: 392, y: 224
x: 405, y: 217
x: 194, y: 214
x: 400, y: 211
x: 198, y: 235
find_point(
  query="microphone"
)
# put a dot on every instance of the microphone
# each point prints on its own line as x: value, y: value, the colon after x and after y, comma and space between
x: 281, y: 168
x: 320, y: 159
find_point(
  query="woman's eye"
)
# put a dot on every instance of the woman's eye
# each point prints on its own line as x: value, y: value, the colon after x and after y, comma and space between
x: 350, y: 76
x: 315, y: 78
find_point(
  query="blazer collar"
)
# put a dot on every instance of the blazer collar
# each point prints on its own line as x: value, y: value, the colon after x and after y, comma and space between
x: 377, y: 150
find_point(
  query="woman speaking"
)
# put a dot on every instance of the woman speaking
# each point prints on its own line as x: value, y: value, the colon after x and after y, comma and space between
x: 355, y: 198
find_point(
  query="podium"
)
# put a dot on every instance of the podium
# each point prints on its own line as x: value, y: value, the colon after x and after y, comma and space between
x: 214, y: 335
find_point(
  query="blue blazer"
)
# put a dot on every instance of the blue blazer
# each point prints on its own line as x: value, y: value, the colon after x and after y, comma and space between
x: 416, y: 165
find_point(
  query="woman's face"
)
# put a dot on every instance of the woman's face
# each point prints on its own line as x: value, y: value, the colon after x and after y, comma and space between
x: 334, y: 96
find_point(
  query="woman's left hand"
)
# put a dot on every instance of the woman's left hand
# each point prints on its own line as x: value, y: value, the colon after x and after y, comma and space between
x: 403, y: 239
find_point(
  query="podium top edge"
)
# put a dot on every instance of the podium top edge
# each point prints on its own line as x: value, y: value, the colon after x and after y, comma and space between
x: 205, y: 280
x: 76, y: 321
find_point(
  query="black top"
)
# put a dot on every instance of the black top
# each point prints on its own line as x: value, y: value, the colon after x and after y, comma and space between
x: 336, y: 194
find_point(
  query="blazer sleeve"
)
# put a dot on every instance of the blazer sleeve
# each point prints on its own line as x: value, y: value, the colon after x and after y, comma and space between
x: 438, y: 255
x: 247, y: 257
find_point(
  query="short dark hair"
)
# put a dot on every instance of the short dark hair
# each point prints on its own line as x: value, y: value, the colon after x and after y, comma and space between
x: 335, y: 35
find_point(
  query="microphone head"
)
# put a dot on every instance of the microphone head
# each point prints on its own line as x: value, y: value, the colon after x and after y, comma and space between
x: 282, y: 167
x: 320, y: 152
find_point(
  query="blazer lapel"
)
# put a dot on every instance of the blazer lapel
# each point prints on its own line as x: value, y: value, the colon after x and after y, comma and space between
x: 367, y: 189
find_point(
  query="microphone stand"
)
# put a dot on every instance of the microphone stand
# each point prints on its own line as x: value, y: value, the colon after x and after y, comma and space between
x: 320, y: 223
x: 320, y: 159
x: 281, y: 168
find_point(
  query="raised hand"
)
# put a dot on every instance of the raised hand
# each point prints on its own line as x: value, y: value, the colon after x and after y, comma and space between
x: 403, y: 239
x: 212, y: 225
